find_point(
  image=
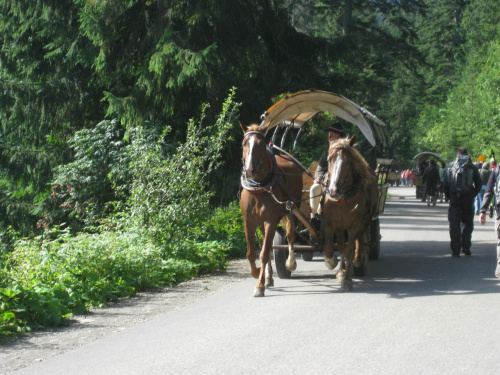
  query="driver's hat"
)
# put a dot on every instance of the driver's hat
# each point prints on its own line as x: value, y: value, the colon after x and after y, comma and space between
x: 337, y: 128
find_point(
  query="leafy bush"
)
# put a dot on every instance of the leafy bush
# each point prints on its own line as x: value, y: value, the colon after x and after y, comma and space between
x: 170, y: 195
x: 171, y: 233
x: 88, y: 188
x: 226, y: 228
x: 43, y: 281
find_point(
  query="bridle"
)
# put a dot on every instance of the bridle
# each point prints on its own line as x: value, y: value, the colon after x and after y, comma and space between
x: 346, y: 193
x: 258, y: 168
x: 267, y: 183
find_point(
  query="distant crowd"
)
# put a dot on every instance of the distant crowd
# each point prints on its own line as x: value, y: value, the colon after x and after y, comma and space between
x: 433, y: 180
x: 469, y: 188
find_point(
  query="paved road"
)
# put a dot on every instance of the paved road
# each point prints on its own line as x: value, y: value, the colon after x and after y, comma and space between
x: 419, y: 311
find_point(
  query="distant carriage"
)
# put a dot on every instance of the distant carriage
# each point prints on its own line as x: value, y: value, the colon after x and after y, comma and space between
x: 291, y: 115
x: 421, y: 160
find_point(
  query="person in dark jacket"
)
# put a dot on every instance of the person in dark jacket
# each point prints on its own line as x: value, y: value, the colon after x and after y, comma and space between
x: 431, y: 180
x: 489, y: 193
x: 461, y: 185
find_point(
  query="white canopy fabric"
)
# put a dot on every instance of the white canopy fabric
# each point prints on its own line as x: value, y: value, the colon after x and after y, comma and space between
x: 302, y: 106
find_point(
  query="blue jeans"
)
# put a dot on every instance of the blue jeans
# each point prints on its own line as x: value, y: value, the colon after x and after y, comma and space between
x: 478, y: 202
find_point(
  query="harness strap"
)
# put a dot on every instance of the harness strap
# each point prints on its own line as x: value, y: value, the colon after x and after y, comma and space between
x: 344, y: 203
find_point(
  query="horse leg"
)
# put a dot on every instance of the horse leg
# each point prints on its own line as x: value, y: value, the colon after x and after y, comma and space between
x: 269, y: 274
x: 358, y: 260
x: 291, y: 263
x: 269, y: 269
x: 341, y: 274
x: 347, y: 283
x: 269, y: 230
x: 250, y: 237
x: 328, y: 251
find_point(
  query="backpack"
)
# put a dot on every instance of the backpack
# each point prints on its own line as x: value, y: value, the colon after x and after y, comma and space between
x: 461, y: 175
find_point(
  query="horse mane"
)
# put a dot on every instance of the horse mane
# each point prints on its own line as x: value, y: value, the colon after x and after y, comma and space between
x: 255, y: 127
x: 359, y: 164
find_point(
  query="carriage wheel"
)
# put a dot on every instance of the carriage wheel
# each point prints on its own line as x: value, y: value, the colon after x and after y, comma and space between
x: 307, y: 256
x: 374, y: 251
x: 280, y: 256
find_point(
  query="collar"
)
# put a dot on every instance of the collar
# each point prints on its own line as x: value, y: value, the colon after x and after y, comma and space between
x: 345, y: 203
x: 265, y: 185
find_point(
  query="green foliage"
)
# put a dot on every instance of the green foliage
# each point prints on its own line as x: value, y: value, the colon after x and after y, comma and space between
x: 225, y: 229
x: 46, y: 279
x: 99, y: 174
x: 169, y: 192
x: 171, y: 233
x: 469, y: 116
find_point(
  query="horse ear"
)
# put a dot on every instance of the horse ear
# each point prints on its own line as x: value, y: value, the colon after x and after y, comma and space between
x: 352, y: 141
x: 264, y: 129
x: 242, y: 127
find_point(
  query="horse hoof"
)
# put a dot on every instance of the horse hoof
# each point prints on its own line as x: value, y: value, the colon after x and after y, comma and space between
x: 259, y: 291
x: 269, y: 283
x: 331, y: 263
x: 291, y: 266
x: 340, y: 276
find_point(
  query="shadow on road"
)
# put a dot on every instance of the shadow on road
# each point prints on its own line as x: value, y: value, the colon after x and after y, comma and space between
x: 423, y: 268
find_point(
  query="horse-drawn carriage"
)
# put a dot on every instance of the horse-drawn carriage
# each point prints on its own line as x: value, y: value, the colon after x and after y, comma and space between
x: 351, y: 193
x: 421, y: 160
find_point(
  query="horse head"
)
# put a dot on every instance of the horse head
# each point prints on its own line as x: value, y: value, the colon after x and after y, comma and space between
x: 340, y: 167
x: 254, y: 151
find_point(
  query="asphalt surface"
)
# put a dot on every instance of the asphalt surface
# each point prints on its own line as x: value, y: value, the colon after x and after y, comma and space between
x: 418, y: 311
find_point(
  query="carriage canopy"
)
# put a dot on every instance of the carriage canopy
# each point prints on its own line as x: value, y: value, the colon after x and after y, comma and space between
x: 423, y: 156
x: 300, y: 107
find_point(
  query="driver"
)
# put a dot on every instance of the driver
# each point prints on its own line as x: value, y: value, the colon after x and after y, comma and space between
x: 335, y: 131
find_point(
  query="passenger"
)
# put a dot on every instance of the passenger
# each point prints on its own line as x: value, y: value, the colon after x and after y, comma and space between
x: 335, y: 131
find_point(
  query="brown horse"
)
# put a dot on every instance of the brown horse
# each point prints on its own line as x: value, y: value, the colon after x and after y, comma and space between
x: 351, y: 200
x: 268, y: 182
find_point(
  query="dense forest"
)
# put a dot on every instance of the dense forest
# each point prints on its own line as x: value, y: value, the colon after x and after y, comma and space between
x: 119, y: 122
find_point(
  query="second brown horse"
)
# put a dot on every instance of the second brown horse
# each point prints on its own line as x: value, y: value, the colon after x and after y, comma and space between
x: 351, y: 200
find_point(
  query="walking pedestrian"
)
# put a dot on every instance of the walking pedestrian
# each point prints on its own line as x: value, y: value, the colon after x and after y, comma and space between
x: 431, y: 179
x: 485, y: 173
x: 492, y: 190
x: 461, y: 185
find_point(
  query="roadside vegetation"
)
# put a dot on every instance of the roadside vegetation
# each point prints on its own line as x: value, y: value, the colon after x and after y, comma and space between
x: 166, y: 232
